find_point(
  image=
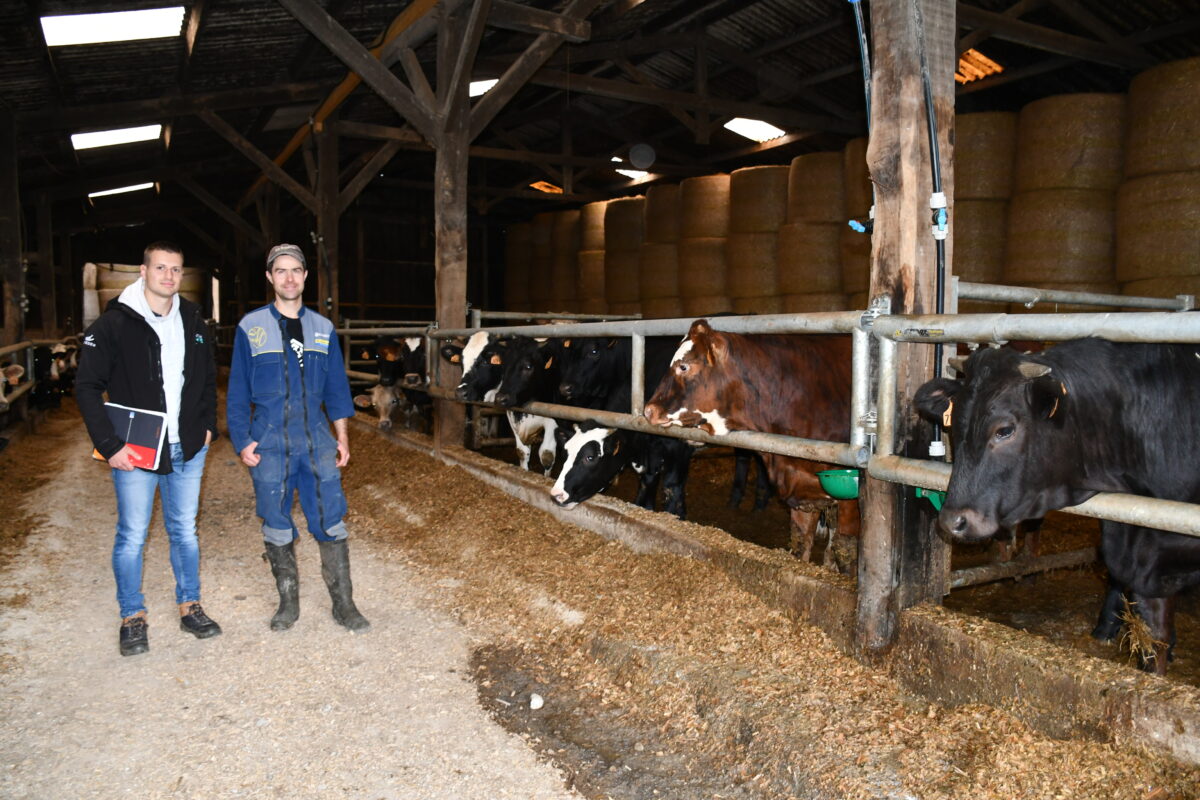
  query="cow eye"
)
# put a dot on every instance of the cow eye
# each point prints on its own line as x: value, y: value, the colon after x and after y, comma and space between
x: 589, y: 458
x: 1004, y: 432
x: 681, y: 367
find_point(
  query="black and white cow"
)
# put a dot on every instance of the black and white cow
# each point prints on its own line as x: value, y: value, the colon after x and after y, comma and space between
x: 482, y: 359
x: 401, y: 367
x: 1035, y: 433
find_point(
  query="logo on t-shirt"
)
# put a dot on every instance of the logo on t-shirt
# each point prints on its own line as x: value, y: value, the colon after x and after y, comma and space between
x: 298, y: 349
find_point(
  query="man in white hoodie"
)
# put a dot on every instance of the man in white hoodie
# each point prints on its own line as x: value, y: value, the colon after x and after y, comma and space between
x: 151, y: 349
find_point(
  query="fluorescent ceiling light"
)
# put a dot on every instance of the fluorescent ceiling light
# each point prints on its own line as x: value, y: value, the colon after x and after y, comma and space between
x: 477, y: 88
x: 974, y: 65
x: 633, y: 174
x: 546, y: 186
x: 115, y: 26
x: 137, y: 187
x: 754, y: 129
x: 142, y: 133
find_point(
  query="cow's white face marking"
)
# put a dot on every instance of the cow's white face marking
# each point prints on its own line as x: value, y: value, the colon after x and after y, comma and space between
x: 490, y: 395
x: 471, y: 352
x: 713, y: 418
x: 685, y: 347
x: 674, y: 417
x: 414, y: 342
x: 573, y: 446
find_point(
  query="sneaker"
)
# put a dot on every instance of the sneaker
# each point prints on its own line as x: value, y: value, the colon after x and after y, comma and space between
x: 197, y: 623
x: 135, y: 636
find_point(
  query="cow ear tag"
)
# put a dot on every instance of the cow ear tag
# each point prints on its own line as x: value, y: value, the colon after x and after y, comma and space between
x: 617, y: 448
x: 1062, y: 389
x: 365, y: 354
x: 549, y: 363
x: 946, y: 414
x: 456, y: 359
x: 496, y: 359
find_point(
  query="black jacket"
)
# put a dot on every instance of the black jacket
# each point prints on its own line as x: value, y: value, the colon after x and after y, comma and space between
x: 122, y: 355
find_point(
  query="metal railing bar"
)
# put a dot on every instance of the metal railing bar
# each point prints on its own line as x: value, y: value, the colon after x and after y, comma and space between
x: 1019, y: 567
x: 1131, y: 326
x: 1030, y: 296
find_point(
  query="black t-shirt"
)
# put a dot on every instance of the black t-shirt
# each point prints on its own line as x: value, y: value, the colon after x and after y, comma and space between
x: 295, y: 334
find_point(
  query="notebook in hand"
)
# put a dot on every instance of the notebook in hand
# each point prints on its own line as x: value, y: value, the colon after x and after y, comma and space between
x: 144, y: 431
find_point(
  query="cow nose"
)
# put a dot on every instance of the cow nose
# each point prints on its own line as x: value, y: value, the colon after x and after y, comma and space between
x: 560, y: 495
x: 461, y: 393
x: 412, y: 379
x: 503, y: 398
x: 961, y: 524
x: 654, y: 414
x: 566, y: 389
x: 385, y: 424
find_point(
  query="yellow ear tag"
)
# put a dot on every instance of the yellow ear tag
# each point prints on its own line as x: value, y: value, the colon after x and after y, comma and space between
x: 1053, y: 410
x: 496, y: 359
x: 549, y: 363
x: 617, y: 449
x: 946, y: 415
x: 456, y: 359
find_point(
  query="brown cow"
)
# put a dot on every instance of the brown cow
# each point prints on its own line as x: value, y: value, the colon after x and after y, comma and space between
x: 796, y: 385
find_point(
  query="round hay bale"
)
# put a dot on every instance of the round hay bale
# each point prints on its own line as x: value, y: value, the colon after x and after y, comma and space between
x: 979, y: 228
x: 753, y: 269
x: 89, y: 275
x: 1071, y: 141
x: 1163, y: 287
x: 106, y: 296
x: 658, y: 270
x: 564, y: 235
x: 518, y: 256
x: 624, y: 224
x: 1164, y: 119
x: 116, y: 276
x: 855, y: 258
x: 541, y: 276
x: 1045, y: 307
x: 768, y: 304
x: 758, y: 199
x: 564, y: 249
x: 620, y: 277
x: 591, y: 277
x: 662, y: 213
x: 704, y: 206
x: 195, y: 297
x: 985, y: 146
x: 857, y: 179
x: 194, y: 281
x: 593, y: 305
x: 703, y: 267
x: 1060, y: 236
x: 809, y: 258
x: 705, y: 306
x: 816, y: 188
x: 1158, y: 226
x: 591, y: 225
x: 625, y: 309
x: 91, y: 306
x: 662, y: 308
x: 816, y: 301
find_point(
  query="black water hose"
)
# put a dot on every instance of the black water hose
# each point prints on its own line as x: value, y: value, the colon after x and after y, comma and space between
x: 865, y: 56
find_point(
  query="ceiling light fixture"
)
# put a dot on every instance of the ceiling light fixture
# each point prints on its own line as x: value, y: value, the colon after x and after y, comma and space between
x: 973, y: 65
x: 114, y: 26
x: 633, y: 174
x: 547, y: 187
x: 477, y: 88
x: 142, y: 133
x: 754, y: 129
x: 137, y: 187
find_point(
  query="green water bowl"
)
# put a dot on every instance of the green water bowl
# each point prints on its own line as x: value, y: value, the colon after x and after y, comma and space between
x: 935, y: 497
x: 839, y: 483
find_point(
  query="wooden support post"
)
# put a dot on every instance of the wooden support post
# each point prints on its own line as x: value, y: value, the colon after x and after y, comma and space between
x: 901, y: 562
x: 327, y: 220
x: 47, y: 298
x: 69, y: 281
x: 11, y: 271
x: 247, y: 280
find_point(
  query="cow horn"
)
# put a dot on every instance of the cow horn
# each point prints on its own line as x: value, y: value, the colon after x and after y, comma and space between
x: 1031, y: 369
x: 958, y: 363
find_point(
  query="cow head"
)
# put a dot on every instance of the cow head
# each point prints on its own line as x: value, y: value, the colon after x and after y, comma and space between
x: 482, y: 362
x: 592, y: 367
x: 592, y: 459
x: 412, y: 360
x: 1011, y: 444
x: 699, y: 388
x: 385, y: 400
x: 388, y: 354
x: 531, y: 367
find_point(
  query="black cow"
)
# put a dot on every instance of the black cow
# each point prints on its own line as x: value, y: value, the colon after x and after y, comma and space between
x: 401, y: 364
x: 1034, y: 433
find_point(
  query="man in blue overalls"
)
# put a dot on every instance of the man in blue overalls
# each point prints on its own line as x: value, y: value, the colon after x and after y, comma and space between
x: 287, y: 382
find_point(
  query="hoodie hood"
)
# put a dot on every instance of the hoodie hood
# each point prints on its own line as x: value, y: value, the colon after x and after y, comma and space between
x: 134, y: 296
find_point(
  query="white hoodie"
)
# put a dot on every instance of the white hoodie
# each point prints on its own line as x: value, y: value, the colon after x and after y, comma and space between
x: 169, y: 329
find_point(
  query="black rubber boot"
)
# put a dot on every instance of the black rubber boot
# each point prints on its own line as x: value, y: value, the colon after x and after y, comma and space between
x: 282, y: 559
x: 335, y: 569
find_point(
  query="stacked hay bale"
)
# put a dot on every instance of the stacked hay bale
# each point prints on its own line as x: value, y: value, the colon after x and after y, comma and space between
x: 758, y: 203
x: 658, y: 261
x: 1158, y: 203
x: 1060, y: 221
x: 854, y: 248
x: 564, y: 267
x: 91, y: 296
x: 518, y: 256
x: 810, y: 272
x: 111, y: 280
x: 703, y: 228
x: 590, y: 259
x: 541, y: 261
x: 623, y: 234
x: 984, y: 153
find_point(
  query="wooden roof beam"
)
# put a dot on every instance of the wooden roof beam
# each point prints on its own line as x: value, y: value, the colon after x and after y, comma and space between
x: 269, y: 167
x: 1064, y: 44
x: 223, y: 211
x: 527, y: 19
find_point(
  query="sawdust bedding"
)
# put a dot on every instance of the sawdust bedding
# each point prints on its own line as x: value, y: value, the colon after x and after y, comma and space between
x: 675, y: 649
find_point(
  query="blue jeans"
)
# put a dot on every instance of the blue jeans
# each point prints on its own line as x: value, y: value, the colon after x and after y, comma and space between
x: 279, y: 476
x: 135, y: 503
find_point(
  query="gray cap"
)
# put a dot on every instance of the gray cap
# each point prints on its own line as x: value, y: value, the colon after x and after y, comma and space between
x: 286, y: 250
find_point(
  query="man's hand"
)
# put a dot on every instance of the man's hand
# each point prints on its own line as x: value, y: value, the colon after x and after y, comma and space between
x: 343, y: 452
x: 249, y: 457
x: 122, y: 459
x: 208, y: 438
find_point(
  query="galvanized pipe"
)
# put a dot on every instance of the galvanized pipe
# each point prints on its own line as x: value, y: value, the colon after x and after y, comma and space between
x: 860, y: 386
x: 637, y: 393
x: 370, y: 323
x: 12, y: 396
x: 547, y: 315
x: 1030, y: 297
x: 364, y: 333
x: 819, y: 322
x: 811, y: 449
x: 973, y: 576
x: 885, y: 399
x: 13, y: 348
x: 1133, y: 326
